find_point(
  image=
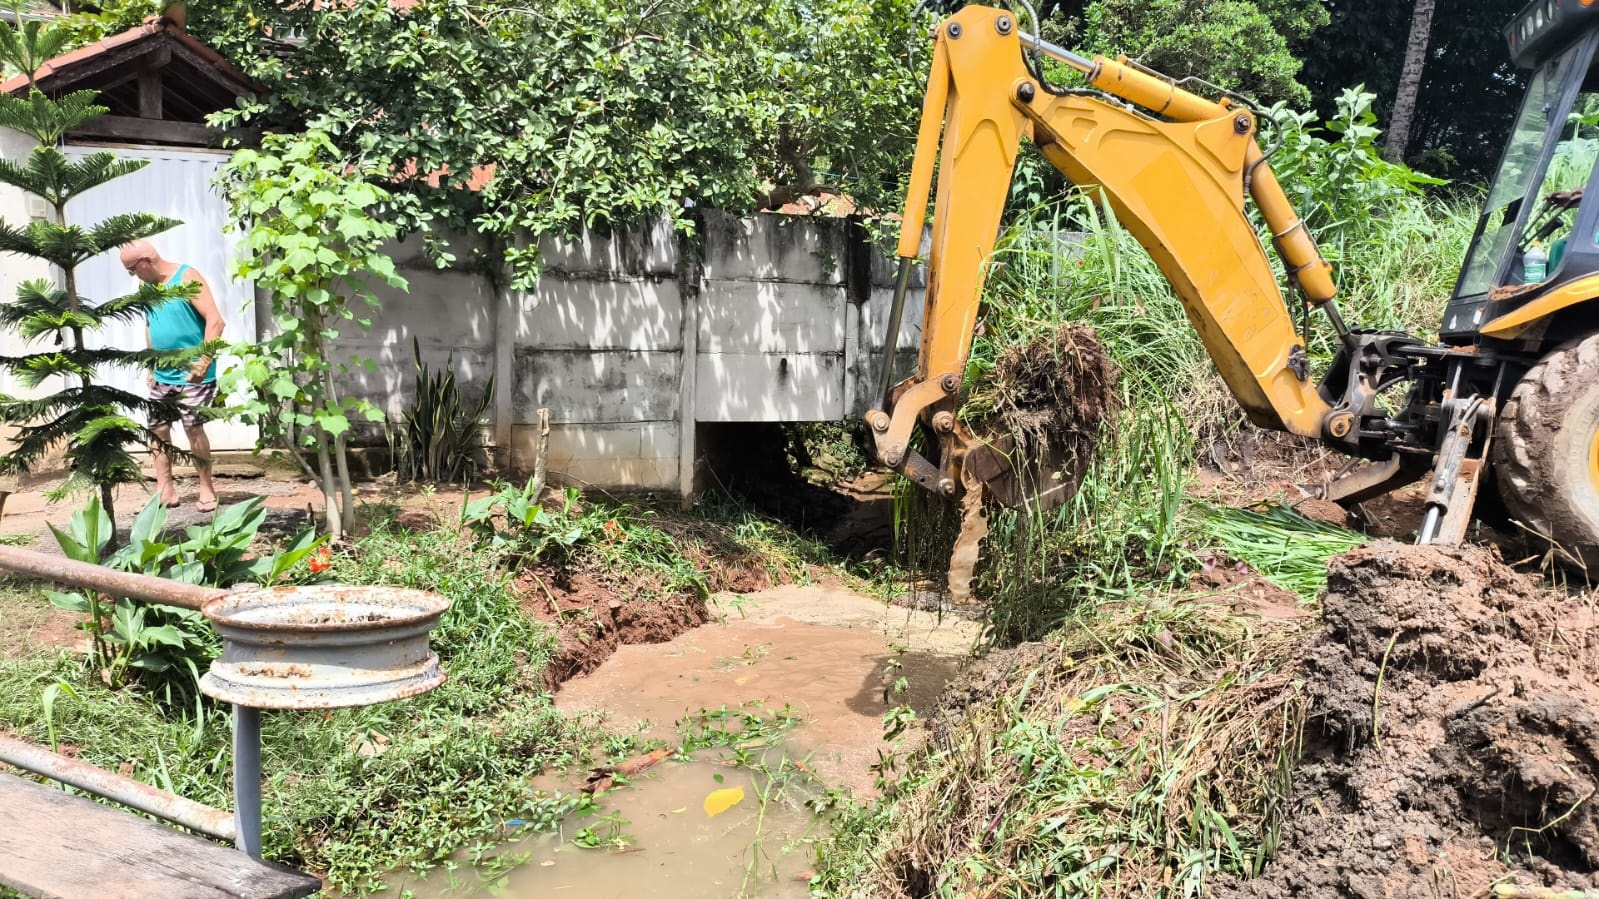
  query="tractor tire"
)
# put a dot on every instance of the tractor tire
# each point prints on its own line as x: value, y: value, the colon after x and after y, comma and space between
x: 1546, y: 452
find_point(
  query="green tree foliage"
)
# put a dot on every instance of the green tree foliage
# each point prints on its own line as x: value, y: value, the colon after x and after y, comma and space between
x: 95, y: 421
x: 589, y: 113
x: 1241, y: 45
x: 313, y: 242
x: 1469, y: 89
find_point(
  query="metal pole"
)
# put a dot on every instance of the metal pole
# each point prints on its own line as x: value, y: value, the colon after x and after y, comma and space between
x: 125, y: 790
x: 1078, y: 62
x: 105, y: 580
x: 247, y: 778
x: 896, y: 312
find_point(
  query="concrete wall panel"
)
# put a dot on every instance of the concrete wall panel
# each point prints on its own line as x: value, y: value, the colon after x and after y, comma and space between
x: 776, y: 248
x: 641, y: 250
x: 638, y: 455
x: 604, y: 314
x: 769, y: 387
x: 772, y: 317
x: 601, y: 386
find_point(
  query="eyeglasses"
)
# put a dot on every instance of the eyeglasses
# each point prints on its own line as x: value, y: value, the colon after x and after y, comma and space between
x: 133, y: 267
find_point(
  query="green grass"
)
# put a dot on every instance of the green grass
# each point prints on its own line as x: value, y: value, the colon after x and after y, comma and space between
x: 439, y: 773
x: 1285, y: 547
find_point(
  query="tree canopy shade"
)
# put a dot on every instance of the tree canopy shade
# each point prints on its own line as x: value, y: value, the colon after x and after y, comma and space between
x: 1469, y: 90
x: 587, y: 113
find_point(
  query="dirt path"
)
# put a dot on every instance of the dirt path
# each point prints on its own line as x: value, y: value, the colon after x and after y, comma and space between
x: 831, y: 654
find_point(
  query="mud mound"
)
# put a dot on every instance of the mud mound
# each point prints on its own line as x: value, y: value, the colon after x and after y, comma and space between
x: 1452, y: 727
x: 593, y: 618
x: 1051, y: 398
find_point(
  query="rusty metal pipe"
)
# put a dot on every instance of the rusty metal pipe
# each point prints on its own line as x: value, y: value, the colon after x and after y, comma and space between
x: 105, y: 580
x: 125, y: 790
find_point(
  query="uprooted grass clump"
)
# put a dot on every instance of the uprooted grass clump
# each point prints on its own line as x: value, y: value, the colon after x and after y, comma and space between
x: 1147, y: 743
x: 1051, y: 398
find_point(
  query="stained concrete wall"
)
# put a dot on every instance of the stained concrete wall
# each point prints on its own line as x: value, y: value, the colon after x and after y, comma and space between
x: 780, y: 318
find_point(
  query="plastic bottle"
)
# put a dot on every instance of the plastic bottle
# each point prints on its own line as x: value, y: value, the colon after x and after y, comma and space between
x: 1534, y: 264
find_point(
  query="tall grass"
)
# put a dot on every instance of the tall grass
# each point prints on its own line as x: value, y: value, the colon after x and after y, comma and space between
x: 1122, y: 529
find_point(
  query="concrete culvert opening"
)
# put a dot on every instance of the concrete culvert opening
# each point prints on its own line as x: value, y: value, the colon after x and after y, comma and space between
x: 817, y: 478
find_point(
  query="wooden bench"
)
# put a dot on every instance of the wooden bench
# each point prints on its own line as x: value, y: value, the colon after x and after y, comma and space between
x: 54, y: 844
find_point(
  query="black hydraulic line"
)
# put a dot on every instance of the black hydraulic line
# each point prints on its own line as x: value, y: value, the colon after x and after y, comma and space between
x: 896, y: 313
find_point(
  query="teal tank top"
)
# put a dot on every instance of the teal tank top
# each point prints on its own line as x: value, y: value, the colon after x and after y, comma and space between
x: 177, y: 325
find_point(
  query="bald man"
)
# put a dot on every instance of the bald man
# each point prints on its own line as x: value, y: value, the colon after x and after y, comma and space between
x: 181, y: 323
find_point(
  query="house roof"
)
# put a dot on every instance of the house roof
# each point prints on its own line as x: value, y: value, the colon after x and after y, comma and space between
x: 196, y: 80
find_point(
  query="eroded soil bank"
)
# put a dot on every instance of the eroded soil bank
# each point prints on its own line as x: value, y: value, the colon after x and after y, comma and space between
x: 1453, y: 734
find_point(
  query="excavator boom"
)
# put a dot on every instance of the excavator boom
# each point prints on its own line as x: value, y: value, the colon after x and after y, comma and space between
x: 1175, y: 169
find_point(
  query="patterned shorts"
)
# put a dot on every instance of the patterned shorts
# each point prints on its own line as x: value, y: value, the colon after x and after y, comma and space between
x: 192, y: 400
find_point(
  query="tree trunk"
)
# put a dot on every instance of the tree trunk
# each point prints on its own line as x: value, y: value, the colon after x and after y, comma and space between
x: 341, y: 457
x: 1409, y: 81
x: 330, y: 398
x: 107, y: 503
x: 330, y: 493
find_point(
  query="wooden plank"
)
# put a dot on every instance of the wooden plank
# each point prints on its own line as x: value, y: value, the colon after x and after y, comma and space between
x: 150, y: 94
x: 71, y: 77
x: 60, y: 846
x: 136, y: 130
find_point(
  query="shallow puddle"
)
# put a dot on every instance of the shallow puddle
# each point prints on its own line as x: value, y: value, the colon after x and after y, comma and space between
x: 839, y: 660
x: 658, y: 838
x: 835, y: 660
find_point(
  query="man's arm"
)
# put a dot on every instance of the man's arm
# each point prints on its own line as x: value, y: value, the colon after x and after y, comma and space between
x: 206, y: 305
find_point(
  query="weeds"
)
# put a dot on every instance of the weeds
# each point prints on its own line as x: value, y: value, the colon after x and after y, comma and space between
x: 1287, y: 548
x: 1146, y: 750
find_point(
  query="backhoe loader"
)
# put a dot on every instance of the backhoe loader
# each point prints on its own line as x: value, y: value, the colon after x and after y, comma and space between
x: 1508, y: 390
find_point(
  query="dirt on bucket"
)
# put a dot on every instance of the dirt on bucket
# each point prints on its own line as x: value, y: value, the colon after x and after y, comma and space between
x: 1051, y: 398
x: 1452, y: 741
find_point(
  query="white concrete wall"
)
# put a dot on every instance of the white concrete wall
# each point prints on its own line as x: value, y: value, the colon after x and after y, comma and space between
x: 450, y: 313
x: 781, y: 317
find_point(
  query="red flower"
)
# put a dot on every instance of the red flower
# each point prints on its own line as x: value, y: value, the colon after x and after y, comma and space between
x: 322, y: 561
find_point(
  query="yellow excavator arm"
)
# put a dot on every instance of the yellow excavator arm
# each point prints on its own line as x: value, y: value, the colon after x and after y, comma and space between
x: 1173, y: 166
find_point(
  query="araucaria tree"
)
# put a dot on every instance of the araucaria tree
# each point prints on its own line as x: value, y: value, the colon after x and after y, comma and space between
x: 94, y: 421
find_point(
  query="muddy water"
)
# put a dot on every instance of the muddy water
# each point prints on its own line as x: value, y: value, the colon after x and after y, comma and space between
x: 830, y: 655
x: 657, y: 839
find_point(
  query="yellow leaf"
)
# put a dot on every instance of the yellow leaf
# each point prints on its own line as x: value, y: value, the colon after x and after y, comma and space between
x: 720, y: 801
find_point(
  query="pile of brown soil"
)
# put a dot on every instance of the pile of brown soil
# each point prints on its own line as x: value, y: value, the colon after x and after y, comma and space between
x: 1453, y: 737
